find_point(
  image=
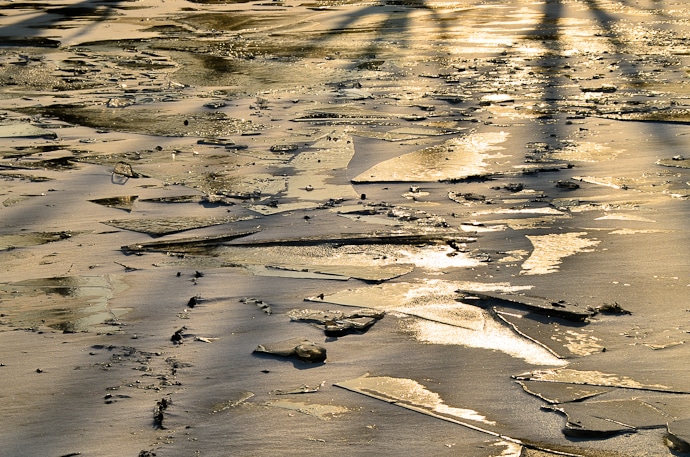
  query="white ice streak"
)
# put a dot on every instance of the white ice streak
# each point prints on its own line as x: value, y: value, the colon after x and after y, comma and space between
x: 493, y: 336
x: 549, y: 250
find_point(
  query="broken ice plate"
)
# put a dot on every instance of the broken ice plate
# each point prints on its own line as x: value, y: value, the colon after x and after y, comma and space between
x: 591, y: 378
x: 200, y: 244
x: 608, y: 417
x: 538, y: 305
x: 320, y: 411
x: 553, y: 392
x: 412, y: 395
x: 456, y: 158
x: 562, y: 337
x: 157, y: 227
x: 125, y: 202
x: 334, y: 272
x: 32, y: 239
x: 336, y: 323
x: 299, y: 348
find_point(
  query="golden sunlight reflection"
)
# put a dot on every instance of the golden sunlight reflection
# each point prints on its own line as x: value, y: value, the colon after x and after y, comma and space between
x: 408, y: 392
x: 437, y: 258
x: 492, y: 335
x: 549, y: 250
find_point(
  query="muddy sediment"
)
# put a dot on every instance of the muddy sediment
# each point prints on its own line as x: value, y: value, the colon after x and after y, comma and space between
x: 405, y: 227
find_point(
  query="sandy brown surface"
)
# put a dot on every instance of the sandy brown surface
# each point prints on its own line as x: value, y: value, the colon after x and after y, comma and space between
x: 477, y: 212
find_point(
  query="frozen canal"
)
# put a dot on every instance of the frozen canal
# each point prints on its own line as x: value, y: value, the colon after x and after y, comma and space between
x: 348, y: 228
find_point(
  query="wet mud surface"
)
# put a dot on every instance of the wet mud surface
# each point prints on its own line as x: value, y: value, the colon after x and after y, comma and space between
x: 344, y: 228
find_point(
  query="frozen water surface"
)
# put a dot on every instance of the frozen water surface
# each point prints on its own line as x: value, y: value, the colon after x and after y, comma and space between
x: 504, y: 184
